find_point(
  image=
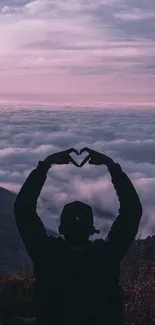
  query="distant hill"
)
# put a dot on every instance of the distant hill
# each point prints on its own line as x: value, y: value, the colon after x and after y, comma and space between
x: 12, y: 250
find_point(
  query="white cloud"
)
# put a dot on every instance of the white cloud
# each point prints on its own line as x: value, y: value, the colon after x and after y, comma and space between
x: 128, y: 137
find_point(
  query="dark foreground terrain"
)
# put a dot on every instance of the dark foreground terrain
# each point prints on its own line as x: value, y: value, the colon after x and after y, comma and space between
x: 137, y: 279
x: 17, y: 284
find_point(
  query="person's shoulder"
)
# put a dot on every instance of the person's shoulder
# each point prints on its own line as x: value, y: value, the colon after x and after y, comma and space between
x: 99, y: 244
x: 102, y: 244
x: 104, y: 248
x: 55, y: 238
x: 56, y: 241
x: 99, y: 250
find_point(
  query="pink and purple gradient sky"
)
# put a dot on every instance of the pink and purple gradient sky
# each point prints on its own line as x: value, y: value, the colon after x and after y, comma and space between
x: 77, y: 51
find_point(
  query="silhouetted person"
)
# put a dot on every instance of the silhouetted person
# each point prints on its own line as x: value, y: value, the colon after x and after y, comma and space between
x: 77, y: 280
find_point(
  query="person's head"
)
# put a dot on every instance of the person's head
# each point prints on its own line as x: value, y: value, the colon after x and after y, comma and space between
x: 76, y: 222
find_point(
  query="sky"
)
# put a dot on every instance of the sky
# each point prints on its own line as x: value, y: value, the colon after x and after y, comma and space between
x: 77, y: 51
x: 128, y: 137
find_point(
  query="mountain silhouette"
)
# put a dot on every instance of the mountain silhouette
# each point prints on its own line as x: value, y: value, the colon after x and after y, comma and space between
x: 12, y: 249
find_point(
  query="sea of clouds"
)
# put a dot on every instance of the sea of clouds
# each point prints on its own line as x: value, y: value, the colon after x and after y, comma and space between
x: 29, y: 135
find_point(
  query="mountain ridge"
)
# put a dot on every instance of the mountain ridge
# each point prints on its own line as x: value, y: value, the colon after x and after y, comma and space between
x: 12, y: 249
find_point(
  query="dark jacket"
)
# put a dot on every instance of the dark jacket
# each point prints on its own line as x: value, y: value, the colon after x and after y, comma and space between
x: 77, y: 287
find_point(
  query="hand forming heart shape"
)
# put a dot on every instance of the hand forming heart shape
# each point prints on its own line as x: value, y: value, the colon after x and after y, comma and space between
x: 94, y: 158
x: 83, y: 161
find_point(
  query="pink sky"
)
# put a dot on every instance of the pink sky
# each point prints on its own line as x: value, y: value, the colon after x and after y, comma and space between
x: 77, y: 51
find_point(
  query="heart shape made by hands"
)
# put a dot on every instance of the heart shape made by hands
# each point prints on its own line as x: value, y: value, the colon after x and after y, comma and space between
x: 79, y: 161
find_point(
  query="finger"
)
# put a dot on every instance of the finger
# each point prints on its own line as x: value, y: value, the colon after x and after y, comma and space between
x: 67, y: 161
x: 73, y: 161
x: 91, y: 161
x: 90, y: 151
x: 95, y: 162
x: 72, y: 150
x: 85, y: 160
x: 85, y: 149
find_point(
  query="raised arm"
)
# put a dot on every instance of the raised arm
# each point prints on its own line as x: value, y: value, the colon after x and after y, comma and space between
x: 29, y: 224
x: 125, y: 227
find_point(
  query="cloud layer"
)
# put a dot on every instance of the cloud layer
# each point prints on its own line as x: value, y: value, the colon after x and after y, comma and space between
x: 128, y: 137
x: 77, y: 51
